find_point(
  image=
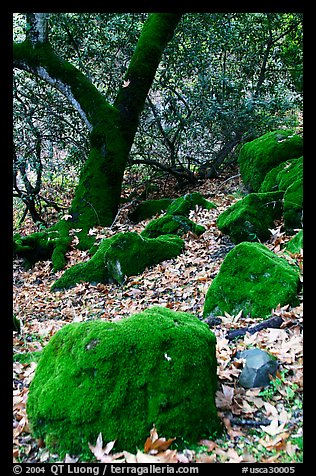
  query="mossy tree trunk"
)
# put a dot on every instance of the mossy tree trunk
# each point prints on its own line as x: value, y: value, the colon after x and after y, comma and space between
x: 112, y: 127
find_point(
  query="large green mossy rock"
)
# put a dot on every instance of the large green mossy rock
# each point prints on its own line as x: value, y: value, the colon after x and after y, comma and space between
x: 153, y: 368
x: 252, y: 279
x: 149, y: 208
x: 258, y: 157
x: 252, y: 217
x: 183, y: 205
x: 124, y: 254
x: 293, y: 206
x: 171, y: 224
x: 282, y: 176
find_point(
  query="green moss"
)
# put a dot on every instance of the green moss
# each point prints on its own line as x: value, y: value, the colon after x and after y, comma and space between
x: 253, y: 279
x: 293, y: 206
x: 258, y: 157
x: 157, y: 367
x: 295, y: 245
x: 124, y: 254
x: 52, y: 243
x: 149, y: 208
x: 38, y: 246
x: 252, y: 217
x: 171, y: 224
x: 282, y: 176
x: 183, y: 205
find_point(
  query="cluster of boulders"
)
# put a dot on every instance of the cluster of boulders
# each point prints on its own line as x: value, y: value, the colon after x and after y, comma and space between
x: 129, y: 253
x: 159, y: 367
x: 252, y: 278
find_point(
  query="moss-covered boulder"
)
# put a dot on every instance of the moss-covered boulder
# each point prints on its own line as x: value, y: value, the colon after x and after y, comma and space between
x: 282, y: 176
x: 124, y: 254
x: 171, y: 224
x: 252, y: 217
x: 252, y: 279
x: 295, y: 245
x: 293, y: 206
x: 157, y: 367
x: 258, y: 157
x: 183, y: 205
x: 149, y: 208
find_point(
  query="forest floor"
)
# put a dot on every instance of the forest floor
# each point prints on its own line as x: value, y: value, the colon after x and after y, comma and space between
x: 261, y: 424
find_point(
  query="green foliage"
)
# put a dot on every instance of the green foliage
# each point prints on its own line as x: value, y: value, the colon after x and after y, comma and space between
x: 121, y: 378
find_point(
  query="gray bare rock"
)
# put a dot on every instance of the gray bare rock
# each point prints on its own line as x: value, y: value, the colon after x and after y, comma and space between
x: 258, y: 366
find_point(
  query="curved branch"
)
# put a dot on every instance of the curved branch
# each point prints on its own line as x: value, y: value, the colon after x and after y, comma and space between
x: 41, y: 60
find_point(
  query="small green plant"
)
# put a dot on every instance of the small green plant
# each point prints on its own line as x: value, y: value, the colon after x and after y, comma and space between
x: 274, y: 386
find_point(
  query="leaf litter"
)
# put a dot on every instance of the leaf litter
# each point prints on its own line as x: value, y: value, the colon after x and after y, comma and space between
x: 261, y: 425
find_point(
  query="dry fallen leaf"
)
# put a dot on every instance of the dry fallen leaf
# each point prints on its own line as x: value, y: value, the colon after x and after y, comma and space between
x: 102, y: 453
x: 274, y: 428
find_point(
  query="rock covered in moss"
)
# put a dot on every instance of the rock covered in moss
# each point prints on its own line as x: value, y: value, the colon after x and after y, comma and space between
x: 282, y: 176
x: 171, y: 224
x: 293, y: 206
x: 252, y: 217
x: 183, y: 205
x: 252, y: 279
x: 124, y: 254
x: 149, y: 208
x: 295, y: 245
x: 157, y: 367
x: 258, y: 157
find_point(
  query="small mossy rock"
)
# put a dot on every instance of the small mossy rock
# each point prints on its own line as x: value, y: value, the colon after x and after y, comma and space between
x: 252, y: 217
x: 258, y: 367
x: 124, y: 254
x: 258, y: 157
x: 171, y: 224
x: 293, y: 206
x: 252, y: 279
x: 282, y: 176
x: 119, y: 378
x: 295, y: 245
x: 149, y: 208
x: 183, y: 205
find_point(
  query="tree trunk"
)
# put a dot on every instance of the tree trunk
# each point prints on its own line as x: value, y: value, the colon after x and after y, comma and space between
x: 112, y: 128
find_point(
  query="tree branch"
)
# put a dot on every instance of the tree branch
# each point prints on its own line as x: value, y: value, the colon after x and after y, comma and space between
x: 41, y: 60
